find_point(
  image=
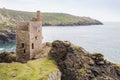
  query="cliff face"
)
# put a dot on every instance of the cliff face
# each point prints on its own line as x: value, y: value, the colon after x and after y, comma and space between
x: 77, y: 64
x: 7, y: 36
x: 73, y: 63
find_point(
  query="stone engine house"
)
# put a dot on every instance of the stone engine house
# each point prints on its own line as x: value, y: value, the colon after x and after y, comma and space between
x: 28, y: 38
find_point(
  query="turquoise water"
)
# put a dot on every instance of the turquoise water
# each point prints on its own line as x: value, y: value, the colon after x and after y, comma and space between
x: 7, y: 47
x: 98, y: 38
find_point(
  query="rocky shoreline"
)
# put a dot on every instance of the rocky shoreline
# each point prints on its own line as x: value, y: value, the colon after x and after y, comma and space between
x: 74, y: 62
x: 75, y: 24
x: 7, y: 36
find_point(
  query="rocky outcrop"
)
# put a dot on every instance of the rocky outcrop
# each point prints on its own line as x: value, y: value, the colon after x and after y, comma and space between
x: 7, y: 57
x: 56, y: 75
x: 75, y: 63
x: 79, y: 23
x: 6, y: 36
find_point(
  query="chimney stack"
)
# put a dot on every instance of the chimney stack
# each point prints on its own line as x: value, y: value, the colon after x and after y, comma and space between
x: 38, y: 15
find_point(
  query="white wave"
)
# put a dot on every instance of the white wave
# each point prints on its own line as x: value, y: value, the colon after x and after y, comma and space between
x: 1, y: 49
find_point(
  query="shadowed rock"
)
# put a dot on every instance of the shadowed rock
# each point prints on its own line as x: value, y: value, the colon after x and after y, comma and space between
x: 7, y: 57
x: 77, y: 64
x: 6, y: 36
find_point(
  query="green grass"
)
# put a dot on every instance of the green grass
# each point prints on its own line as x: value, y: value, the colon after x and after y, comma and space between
x: 55, y: 18
x: 52, y: 18
x: 33, y: 70
x: 13, y: 16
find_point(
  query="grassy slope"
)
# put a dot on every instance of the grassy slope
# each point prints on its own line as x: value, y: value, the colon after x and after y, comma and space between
x: 33, y: 70
x: 12, y: 16
x: 57, y: 18
x: 46, y: 17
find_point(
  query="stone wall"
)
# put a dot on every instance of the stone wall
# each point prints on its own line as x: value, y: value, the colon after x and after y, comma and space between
x: 22, y: 37
x: 28, y: 40
x: 35, y: 34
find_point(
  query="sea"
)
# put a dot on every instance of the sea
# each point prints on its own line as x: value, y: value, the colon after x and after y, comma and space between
x: 103, y: 39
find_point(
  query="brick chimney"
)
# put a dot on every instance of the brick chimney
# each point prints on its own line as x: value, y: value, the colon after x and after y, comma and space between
x: 38, y: 15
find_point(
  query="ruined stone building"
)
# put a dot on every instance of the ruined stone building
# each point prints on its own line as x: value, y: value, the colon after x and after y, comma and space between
x: 28, y: 38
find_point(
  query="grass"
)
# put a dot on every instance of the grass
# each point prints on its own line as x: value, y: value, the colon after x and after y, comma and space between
x: 52, y: 18
x: 13, y: 16
x: 33, y: 70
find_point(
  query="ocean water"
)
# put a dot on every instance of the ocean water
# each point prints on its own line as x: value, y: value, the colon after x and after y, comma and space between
x: 97, y: 38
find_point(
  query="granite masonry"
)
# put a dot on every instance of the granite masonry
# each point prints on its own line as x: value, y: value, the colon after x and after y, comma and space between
x: 28, y: 38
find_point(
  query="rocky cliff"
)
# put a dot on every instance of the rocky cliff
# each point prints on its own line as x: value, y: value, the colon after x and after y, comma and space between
x: 64, y: 61
x: 75, y: 63
x: 7, y: 36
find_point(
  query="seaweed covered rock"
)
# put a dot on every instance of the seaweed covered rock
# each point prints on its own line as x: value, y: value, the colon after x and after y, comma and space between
x: 75, y: 63
x: 7, y: 57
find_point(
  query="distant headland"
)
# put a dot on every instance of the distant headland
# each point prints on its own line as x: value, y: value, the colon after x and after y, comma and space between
x: 9, y: 19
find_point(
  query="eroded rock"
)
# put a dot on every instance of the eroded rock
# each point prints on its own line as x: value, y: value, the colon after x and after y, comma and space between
x: 7, y: 57
x: 75, y: 63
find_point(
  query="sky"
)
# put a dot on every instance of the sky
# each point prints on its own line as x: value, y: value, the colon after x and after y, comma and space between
x: 103, y: 10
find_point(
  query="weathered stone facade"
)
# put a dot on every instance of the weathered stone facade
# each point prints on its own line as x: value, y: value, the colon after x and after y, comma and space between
x: 28, y: 39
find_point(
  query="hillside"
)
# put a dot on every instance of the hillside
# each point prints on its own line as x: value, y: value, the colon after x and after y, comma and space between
x: 40, y: 69
x: 70, y: 61
x: 10, y: 17
x: 76, y: 63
